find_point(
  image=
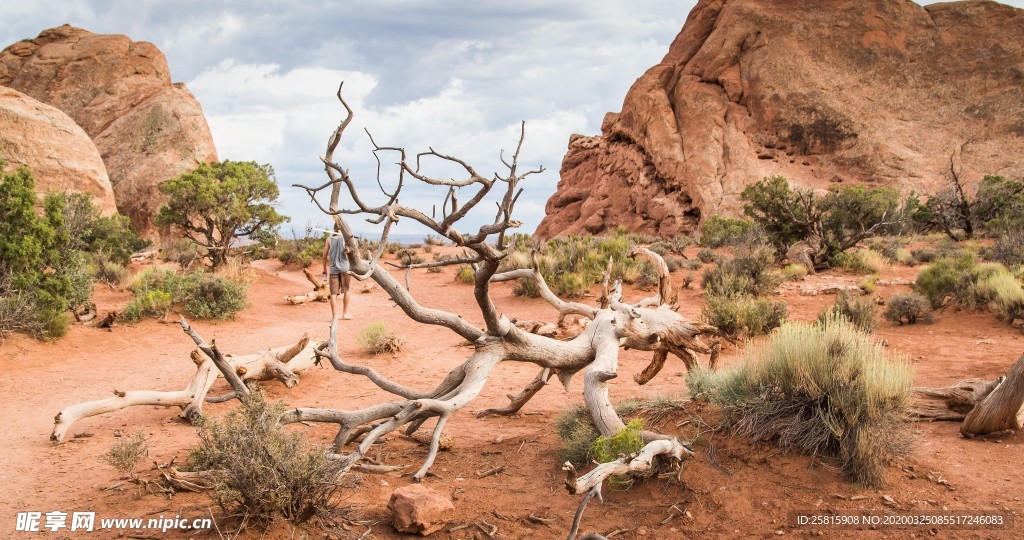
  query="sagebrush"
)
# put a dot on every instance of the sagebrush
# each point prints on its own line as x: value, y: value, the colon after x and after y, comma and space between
x: 826, y: 390
x: 260, y: 469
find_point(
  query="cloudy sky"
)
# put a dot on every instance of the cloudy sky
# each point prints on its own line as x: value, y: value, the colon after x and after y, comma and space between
x: 457, y: 76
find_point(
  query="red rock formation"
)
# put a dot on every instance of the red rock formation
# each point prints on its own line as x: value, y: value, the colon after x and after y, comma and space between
x: 147, y: 129
x: 821, y: 92
x: 62, y: 157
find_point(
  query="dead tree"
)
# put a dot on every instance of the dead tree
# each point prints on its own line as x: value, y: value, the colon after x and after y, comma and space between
x: 281, y: 363
x: 594, y: 352
x: 319, y: 293
x: 983, y: 406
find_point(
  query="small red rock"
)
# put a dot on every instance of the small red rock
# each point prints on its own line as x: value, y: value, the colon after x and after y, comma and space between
x: 419, y: 509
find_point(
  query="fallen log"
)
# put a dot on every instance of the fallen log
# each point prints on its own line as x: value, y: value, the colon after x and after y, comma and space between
x: 319, y: 293
x: 1001, y: 409
x: 281, y: 363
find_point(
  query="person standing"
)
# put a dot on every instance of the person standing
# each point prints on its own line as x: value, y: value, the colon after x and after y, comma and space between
x: 336, y: 261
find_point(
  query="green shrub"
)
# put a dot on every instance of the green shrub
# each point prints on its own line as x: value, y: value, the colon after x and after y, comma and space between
x: 569, y: 285
x: 718, y: 231
x: 466, y: 275
x: 706, y: 256
x: 181, y: 251
x: 844, y: 217
x: 515, y: 260
x: 377, y: 339
x: 112, y: 237
x: 107, y: 271
x: 1008, y: 249
x: 865, y: 262
x: 743, y: 315
x: 923, y: 255
x: 999, y: 290
x: 861, y: 312
x: 214, y: 297
x: 947, y: 276
x: 794, y: 271
x: 826, y: 390
x: 908, y: 308
x: 750, y: 271
x: 869, y: 284
x: 203, y: 295
x: 126, y: 453
x: 578, y: 434
x: 690, y: 264
x: 261, y: 470
x: 432, y: 240
x: 626, y: 442
x: 151, y: 303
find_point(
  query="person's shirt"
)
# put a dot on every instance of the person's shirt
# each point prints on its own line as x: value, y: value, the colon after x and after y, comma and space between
x: 336, y: 255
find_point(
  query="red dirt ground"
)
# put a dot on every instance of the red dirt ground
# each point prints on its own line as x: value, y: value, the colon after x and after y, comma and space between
x: 742, y: 491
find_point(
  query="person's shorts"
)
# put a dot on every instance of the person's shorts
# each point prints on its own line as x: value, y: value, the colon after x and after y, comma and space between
x: 339, y: 283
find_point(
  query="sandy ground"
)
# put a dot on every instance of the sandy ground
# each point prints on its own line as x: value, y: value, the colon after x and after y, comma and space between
x: 730, y: 489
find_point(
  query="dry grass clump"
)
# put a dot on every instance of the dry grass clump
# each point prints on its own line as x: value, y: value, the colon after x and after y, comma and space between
x: 867, y: 261
x: 376, y: 338
x: 860, y: 311
x: 125, y: 454
x: 261, y: 470
x: 820, y: 389
x: 908, y: 309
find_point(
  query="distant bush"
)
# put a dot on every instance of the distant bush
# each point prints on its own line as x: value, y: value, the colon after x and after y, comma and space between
x: 569, y: 285
x: 794, y: 271
x: 825, y: 390
x: 465, y: 275
x: 718, y: 231
x: 865, y: 261
x: 947, y: 276
x: 376, y: 338
x: 261, y: 470
x: 706, y: 256
x: 743, y: 315
x: 182, y: 252
x: 151, y: 303
x: 860, y: 311
x: 107, y: 271
x: 844, y: 217
x: 923, y: 255
x: 214, y: 297
x: 997, y: 206
x: 869, y: 284
x: 1008, y: 249
x: 998, y: 289
x: 750, y: 271
x: 432, y: 240
x: 908, y: 308
x: 203, y: 295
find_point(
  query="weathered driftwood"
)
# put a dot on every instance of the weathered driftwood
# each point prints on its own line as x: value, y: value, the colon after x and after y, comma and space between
x: 1001, y: 409
x: 613, y: 323
x: 280, y: 363
x: 951, y: 403
x: 319, y: 293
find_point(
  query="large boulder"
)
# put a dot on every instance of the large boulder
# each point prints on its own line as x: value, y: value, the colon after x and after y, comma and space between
x: 147, y: 129
x: 62, y: 157
x: 885, y: 92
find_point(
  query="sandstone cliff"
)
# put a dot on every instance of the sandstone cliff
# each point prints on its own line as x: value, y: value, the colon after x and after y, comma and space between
x: 881, y: 91
x: 62, y: 157
x: 119, y: 91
